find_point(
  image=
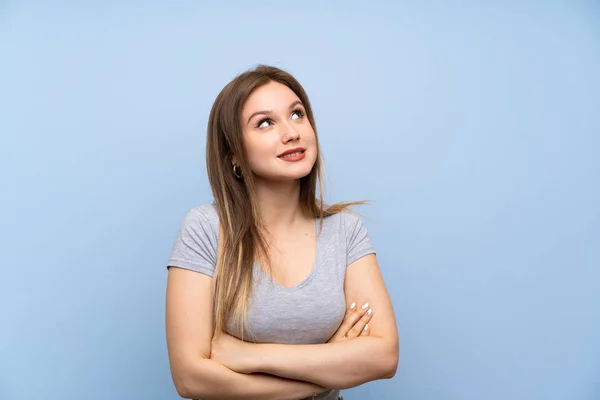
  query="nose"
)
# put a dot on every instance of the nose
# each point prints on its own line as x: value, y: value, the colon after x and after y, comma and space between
x: 289, y: 133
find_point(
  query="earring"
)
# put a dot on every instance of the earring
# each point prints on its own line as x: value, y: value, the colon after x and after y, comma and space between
x: 237, y: 171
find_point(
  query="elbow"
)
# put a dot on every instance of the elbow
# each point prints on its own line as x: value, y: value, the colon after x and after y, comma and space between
x: 188, y: 385
x: 183, y: 392
x: 184, y: 386
x: 390, y: 366
x: 189, y: 389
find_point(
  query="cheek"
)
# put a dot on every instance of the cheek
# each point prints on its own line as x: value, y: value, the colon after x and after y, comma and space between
x: 260, y: 152
x: 309, y: 133
x: 310, y: 137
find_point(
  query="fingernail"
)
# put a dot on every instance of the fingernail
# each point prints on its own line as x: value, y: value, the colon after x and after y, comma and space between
x: 365, y: 305
x: 352, y: 306
x: 370, y: 311
x: 366, y: 327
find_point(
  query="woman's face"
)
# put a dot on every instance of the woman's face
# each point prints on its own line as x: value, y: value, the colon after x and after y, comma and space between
x: 274, y: 122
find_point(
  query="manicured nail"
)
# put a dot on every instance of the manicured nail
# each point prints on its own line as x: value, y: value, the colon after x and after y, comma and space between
x: 370, y: 311
x: 352, y: 306
x: 366, y: 327
x: 365, y: 306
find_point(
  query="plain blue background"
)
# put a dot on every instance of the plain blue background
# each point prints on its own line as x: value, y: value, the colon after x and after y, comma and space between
x: 473, y: 127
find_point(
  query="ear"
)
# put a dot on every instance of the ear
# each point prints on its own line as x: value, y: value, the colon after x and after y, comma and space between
x: 233, y: 160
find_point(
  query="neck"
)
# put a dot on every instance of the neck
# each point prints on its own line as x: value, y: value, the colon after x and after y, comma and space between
x: 279, y: 204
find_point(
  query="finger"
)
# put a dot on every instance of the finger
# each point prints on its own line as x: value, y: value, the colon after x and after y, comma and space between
x: 359, y: 326
x: 366, y: 331
x: 353, y: 315
x: 345, y: 325
x: 351, y: 308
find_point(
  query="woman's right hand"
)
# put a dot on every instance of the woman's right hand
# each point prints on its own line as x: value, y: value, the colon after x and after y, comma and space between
x: 355, y: 323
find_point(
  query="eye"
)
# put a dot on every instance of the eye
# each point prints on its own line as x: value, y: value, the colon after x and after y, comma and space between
x: 298, y: 112
x: 262, y: 122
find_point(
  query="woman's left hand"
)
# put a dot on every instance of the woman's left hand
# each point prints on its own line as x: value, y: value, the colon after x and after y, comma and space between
x: 232, y: 353
x: 355, y: 323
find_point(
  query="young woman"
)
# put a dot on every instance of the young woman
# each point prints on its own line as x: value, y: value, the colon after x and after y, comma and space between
x: 271, y: 294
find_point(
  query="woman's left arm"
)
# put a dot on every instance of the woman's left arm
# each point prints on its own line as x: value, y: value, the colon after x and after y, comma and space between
x: 343, y: 364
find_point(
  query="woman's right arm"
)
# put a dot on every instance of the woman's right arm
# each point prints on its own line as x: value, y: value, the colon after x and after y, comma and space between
x: 189, y: 325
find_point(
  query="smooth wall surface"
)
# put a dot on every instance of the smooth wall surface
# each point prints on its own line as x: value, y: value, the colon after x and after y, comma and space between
x: 473, y: 127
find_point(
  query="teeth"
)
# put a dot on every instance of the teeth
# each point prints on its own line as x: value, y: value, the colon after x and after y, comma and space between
x: 292, y: 154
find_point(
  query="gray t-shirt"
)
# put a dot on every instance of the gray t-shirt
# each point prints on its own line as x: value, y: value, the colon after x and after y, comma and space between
x: 307, y: 313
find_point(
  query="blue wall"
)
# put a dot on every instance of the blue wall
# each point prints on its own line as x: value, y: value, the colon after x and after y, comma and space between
x: 474, y: 129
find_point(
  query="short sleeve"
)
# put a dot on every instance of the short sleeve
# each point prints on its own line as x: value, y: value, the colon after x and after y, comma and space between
x: 195, y: 246
x: 357, y: 238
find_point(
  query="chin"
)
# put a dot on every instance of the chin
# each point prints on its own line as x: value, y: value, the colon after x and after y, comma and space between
x: 291, y: 177
x: 285, y: 177
x: 286, y: 172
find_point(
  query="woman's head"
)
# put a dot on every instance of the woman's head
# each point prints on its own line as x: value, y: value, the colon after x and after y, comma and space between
x: 278, y: 136
x: 256, y: 118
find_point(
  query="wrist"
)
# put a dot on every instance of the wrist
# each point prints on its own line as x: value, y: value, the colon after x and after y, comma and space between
x: 255, y: 357
x: 258, y: 357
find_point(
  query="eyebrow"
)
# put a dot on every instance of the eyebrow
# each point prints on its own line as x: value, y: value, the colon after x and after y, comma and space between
x: 294, y: 104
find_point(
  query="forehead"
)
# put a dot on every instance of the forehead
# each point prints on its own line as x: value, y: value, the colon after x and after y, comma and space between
x: 269, y: 97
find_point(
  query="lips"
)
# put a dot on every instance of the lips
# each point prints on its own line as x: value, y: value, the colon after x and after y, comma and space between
x: 292, y: 152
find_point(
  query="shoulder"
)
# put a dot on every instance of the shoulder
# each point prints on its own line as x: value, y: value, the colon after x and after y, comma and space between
x: 345, y: 222
x: 207, y: 210
x: 349, y: 227
x: 350, y: 218
x: 195, y: 246
x: 203, y: 216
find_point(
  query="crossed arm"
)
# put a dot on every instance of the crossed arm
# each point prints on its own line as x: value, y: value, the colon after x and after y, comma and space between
x: 235, y: 369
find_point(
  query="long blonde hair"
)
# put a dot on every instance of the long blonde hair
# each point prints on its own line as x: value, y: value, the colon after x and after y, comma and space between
x: 240, y: 239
